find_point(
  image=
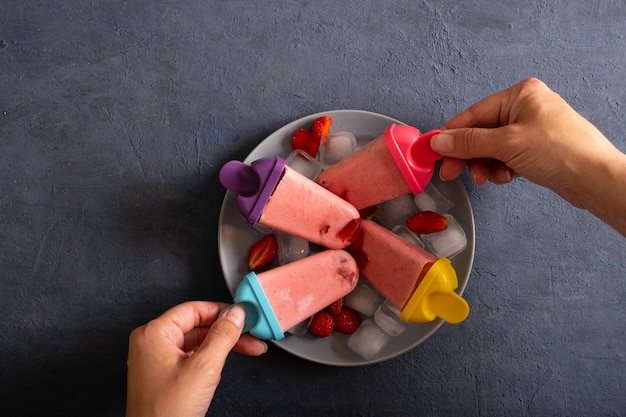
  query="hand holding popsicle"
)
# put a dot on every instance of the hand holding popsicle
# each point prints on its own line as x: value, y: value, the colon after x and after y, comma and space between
x: 528, y: 130
x: 175, y: 361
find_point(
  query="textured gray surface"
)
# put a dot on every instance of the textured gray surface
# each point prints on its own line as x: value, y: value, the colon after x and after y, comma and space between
x: 115, y: 117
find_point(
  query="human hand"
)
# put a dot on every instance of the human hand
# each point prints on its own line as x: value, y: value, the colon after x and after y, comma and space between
x: 175, y: 361
x: 528, y: 130
x: 525, y: 130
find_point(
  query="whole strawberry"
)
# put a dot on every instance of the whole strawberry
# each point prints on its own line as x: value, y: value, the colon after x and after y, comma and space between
x: 347, y: 321
x: 321, y: 127
x: 322, y: 324
x: 335, y: 308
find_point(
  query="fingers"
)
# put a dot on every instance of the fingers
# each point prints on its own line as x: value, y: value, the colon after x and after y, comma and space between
x: 499, y: 173
x: 451, y: 168
x: 497, y: 109
x: 481, y: 170
x: 247, y: 344
x: 250, y: 345
x: 183, y: 318
x: 466, y: 143
x: 219, y: 340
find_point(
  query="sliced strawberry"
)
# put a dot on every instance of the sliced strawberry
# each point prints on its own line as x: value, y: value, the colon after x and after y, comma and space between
x: 322, y: 324
x: 335, y: 308
x: 427, y: 222
x: 262, y: 253
x: 321, y: 127
x: 347, y: 321
x: 305, y: 140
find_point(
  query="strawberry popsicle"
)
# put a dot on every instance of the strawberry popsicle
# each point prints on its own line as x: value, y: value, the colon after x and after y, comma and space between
x: 412, y: 279
x: 271, y: 193
x: 278, y: 299
x: 397, y: 162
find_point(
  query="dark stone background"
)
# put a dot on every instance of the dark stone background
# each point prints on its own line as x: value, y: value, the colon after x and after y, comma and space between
x: 115, y: 117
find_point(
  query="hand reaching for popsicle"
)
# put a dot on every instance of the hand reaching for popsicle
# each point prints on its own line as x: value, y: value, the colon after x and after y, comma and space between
x: 528, y: 130
x: 175, y: 361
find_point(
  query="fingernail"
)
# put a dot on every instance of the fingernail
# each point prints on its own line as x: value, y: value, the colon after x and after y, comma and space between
x: 474, y: 176
x: 236, y: 314
x: 503, y: 175
x: 442, y: 143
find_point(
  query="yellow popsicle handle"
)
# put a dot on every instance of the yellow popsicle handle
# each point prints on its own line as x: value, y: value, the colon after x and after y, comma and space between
x: 449, y: 306
x: 435, y: 297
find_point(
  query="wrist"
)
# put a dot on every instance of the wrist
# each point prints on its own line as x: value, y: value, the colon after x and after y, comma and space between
x: 602, y: 193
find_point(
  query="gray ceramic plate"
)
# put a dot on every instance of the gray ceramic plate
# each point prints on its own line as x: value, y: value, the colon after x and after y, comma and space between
x: 236, y: 237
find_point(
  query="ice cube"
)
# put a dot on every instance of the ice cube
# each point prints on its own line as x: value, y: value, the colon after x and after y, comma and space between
x: 301, y: 328
x: 263, y: 229
x: 291, y: 248
x: 369, y: 340
x: 431, y: 199
x: 448, y: 242
x: 364, y: 298
x: 396, y: 211
x: 388, y: 318
x: 335, y: 147
x: 402, y: 231
x: 304, y: 163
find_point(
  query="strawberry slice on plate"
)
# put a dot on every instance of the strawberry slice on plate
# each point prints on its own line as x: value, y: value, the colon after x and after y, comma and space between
x: 262, y: 253
x: 427, y: 222
x: 321, y: 127
x: 303, y: 139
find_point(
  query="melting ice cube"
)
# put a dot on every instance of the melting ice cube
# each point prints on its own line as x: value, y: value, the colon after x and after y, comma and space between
x: 396, y: 211
x: 302, y: 162
x: 388, y: 318
x: 448, y: 242
x: 263, y: 229
x: 291, y: 248
x: 335, y: 147
x: 402, y: 231
x: 364, y: 298
x: 431, y: 199
x: 369, y: 340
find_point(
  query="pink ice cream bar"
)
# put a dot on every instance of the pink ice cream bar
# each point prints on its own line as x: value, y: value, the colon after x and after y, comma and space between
x: 397, y: 162
x: 272, y: 194
x: 278, y: 299
x: 417, y: 283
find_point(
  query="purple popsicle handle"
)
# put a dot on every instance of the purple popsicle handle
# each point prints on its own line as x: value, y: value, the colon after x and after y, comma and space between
x: 240, y: 178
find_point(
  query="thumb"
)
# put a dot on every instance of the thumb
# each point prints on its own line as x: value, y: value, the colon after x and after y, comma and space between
x: 219, y: 341
x: 466, y: 143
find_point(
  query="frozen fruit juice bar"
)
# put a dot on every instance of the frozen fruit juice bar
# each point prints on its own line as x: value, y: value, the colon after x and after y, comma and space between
x: 397, y: 162
x: 271, y: 193
x: 278, y: 299
x: 416, y: 282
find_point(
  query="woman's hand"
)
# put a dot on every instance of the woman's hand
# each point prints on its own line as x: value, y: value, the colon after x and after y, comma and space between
x: 175, y: 361
x: 528, y: 130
